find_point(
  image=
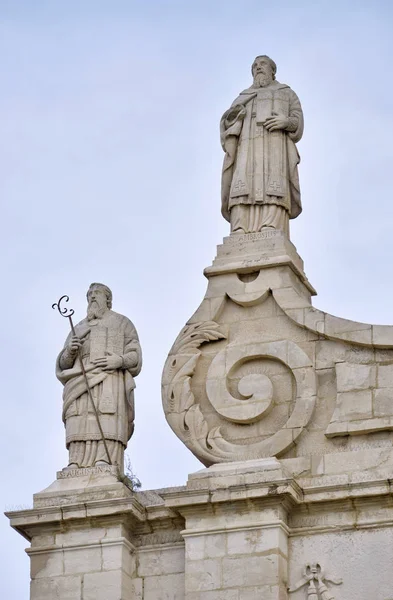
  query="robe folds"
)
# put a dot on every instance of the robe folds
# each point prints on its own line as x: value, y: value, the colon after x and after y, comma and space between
x: 112, y: 391
x: 260, y: 167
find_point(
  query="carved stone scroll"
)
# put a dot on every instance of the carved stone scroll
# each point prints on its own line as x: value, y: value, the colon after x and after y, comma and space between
x: 255, y: 391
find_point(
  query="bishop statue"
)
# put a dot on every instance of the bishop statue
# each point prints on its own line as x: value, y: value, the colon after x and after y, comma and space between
x: 260, y: 182
x: 107, y: 343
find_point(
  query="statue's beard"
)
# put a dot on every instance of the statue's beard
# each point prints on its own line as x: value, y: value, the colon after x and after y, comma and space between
x: 95, y: 311
x: 262, y: 80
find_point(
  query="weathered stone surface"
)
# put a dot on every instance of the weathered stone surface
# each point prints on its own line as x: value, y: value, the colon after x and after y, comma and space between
x: 74, y: 486
x: 223, y: 394
x: 236, y: 530
x: 365, y: 572
x: 116, y: 547
x: 255, y: 253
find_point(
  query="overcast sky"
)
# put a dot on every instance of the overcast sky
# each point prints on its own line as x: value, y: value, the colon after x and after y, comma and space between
x: 110, y: 167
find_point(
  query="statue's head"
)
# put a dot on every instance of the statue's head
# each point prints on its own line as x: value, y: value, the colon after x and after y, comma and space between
x: 263, y: 70
x: 99, y: 300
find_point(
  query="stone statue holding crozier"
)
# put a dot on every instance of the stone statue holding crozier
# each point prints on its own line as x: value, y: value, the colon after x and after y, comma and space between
x: 108, y: 345
x: 260, y: 183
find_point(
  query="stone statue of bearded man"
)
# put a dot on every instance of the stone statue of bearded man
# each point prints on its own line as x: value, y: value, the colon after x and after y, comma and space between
x: 109, y: 347
x: 260, y: 183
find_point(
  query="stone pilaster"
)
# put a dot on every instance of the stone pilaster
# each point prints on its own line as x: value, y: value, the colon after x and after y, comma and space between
x: 79, y: 531
x: 236, y: 533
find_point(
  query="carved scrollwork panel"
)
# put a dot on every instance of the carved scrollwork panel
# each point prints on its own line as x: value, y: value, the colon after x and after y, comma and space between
x: 238, y: 396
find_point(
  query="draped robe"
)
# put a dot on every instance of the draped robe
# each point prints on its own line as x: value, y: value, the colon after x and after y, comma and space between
x: 112, y: 391
x: 260, y: 166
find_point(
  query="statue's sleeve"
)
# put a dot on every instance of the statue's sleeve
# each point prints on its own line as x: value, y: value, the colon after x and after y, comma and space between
x: 232, y: 120
x: 296, y: 121
x: 65, y: 359
x: 231, y: 125
x: 132, y: 357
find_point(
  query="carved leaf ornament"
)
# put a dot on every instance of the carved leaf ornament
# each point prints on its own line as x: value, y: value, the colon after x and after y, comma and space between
x: 184, y: 413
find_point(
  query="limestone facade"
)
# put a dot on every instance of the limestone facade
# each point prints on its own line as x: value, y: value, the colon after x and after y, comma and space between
x: 290, y: 409
x: 236, y: 531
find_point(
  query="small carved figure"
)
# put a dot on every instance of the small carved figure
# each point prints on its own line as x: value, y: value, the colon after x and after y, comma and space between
x: 107, y: 343
x: 260, y: 183
x: 316, y: 580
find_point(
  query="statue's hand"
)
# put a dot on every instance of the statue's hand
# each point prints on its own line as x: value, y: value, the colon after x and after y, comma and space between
x: 276, y: 122
x: 110, y: 362
x: 74, y: 344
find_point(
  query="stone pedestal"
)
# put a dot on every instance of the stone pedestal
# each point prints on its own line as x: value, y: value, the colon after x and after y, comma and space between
x: 253, y: 252
x: 236, y: 534
x: 92, y: 538
x: 80, y: 548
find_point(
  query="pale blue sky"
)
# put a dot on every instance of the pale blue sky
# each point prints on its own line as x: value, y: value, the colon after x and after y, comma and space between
x: 110, y: 168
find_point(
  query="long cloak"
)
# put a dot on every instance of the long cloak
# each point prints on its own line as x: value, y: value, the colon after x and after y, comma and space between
x: 113, y: 391
x: 260, y: 167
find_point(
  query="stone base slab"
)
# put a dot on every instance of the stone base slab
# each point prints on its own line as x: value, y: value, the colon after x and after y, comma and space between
x: 254, y: 251
x: 82, y: 485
